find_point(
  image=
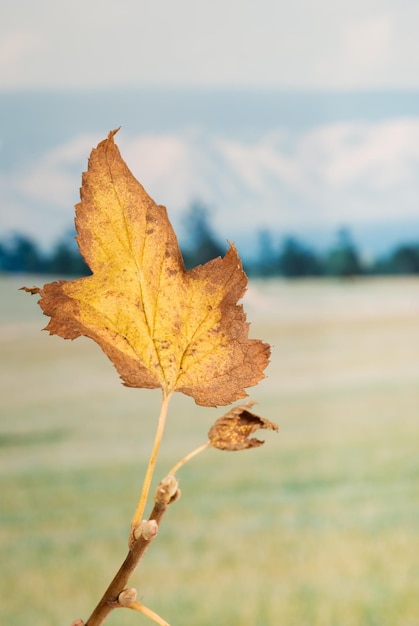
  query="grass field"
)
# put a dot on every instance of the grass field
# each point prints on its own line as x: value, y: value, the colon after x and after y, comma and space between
x: 319, y: 527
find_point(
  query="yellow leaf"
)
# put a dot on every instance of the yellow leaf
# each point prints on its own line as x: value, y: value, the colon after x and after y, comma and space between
x: 161, y: 326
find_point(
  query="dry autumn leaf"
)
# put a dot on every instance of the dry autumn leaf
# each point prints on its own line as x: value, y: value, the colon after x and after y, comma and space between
x: 232, y: 430
x: 161, y: 325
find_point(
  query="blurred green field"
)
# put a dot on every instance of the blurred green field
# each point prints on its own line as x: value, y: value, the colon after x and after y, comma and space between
x: 319, y: 527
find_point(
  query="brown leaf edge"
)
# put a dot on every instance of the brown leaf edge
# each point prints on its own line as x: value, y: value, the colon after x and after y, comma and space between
x: 243, y: 359
x: 231, y: 431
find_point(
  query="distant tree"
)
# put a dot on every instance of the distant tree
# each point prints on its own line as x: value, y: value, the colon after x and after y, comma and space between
x: 343, y: 260
x: 21, y: 254
x: 297, y: 260
x: 66, y: 259
x: 267, y: 260
x: 381, y: 266
x: 3, y: 257
x: 405, y: 259
x: 201, y: 244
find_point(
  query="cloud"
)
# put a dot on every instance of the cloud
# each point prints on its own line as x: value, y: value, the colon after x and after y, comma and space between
x: 328, y: 175
x: 367, y: 46
x: 55, y: 177
x: 15, y: 47
x: 309, y: 44
x: 375, y: 46
x: 39, y: 198
x: 360, y: 171
x: 381, y: 156
x: 334, y: 173
x: 171, y: 166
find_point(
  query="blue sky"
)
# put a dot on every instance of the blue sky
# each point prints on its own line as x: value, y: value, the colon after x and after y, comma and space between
x: 296, y: 116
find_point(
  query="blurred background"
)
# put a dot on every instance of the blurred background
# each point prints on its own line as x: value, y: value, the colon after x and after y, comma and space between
x: 291, y: 129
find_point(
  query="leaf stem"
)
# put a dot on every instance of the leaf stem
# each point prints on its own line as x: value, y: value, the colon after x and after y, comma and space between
x: 137, y: 606
x: 139, y: 511
x: 189, y: 456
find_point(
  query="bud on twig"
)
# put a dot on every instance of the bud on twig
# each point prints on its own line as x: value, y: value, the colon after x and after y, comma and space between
x: 77, y: 622
x: 167, y: 490
x: 127, y: 597
x: 147, y: 529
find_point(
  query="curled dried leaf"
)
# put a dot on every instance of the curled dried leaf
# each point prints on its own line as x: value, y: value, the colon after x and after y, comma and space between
x: 232, y: 430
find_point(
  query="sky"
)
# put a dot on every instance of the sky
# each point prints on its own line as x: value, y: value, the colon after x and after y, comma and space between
x: 221, y: 128
x: 307, y: 44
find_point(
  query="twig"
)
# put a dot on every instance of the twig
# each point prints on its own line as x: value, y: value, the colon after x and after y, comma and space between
x: 137, y: 549
x: 141, y: 533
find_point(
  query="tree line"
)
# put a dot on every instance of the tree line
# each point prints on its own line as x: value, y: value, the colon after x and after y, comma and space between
x: 290, y: 258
